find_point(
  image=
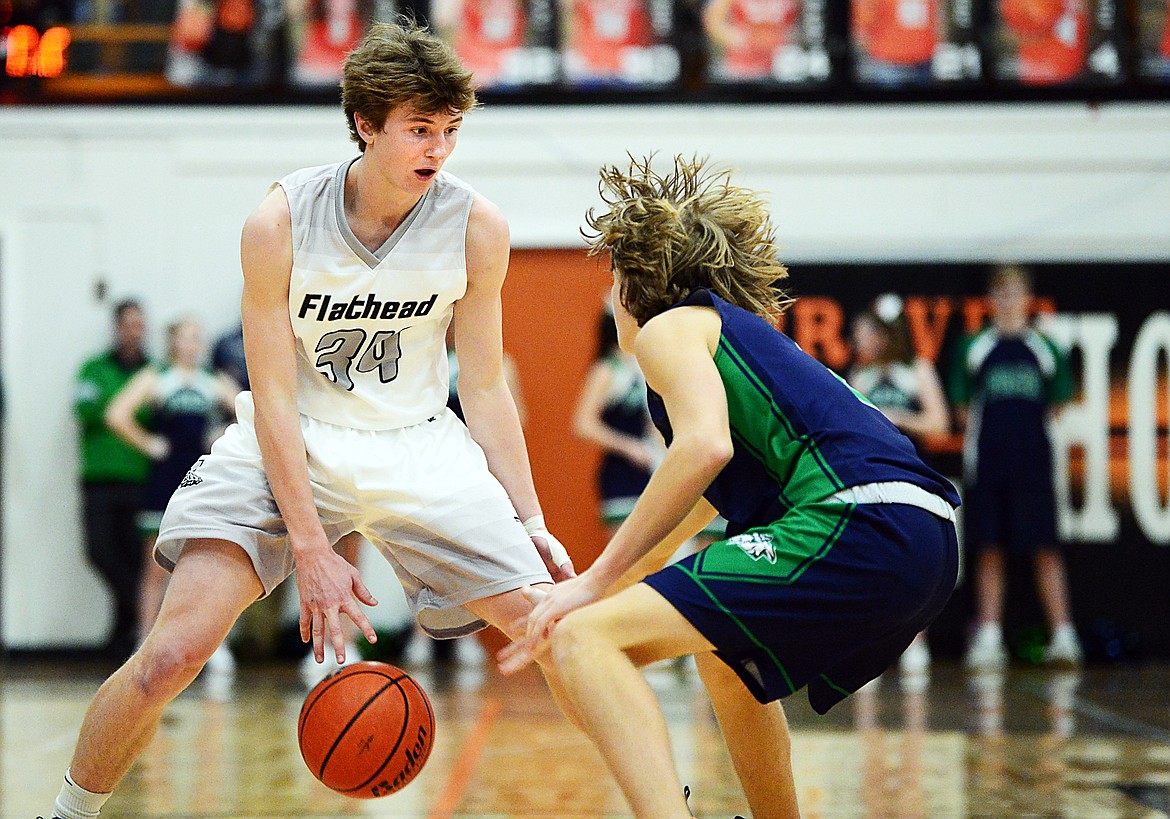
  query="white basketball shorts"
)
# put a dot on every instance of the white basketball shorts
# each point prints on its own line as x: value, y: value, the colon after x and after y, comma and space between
x: 422, y: 495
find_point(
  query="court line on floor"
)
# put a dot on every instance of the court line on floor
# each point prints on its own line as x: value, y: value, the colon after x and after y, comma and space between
x: 452, y: 793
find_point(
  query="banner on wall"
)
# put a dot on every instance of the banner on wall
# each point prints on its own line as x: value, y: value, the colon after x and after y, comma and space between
x: 906, y: 43
x: 504, y: 43
x: 1058, y: 42
x: 773, y: 42
x: 1152, y: 40
x: 619, y: 43
x: 1111, y: 459
x: 1111, y: 441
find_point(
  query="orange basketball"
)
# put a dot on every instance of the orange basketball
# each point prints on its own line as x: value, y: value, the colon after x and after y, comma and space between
x: 367, y: 730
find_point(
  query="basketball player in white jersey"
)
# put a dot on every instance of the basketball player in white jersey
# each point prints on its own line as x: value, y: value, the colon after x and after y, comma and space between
x: 352, y: 274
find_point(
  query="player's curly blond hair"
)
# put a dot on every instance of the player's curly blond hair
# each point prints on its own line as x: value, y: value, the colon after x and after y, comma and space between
x: 668, y: 235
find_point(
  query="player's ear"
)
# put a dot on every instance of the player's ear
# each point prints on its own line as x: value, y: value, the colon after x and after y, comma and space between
x: 365, y: 128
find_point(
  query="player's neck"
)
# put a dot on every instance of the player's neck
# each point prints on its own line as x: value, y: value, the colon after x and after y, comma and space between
x: 373, y: 206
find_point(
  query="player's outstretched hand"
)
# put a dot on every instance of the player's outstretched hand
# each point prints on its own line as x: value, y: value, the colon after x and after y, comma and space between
x: 552, y: 551
x: 329, y: 587
x: 552, y: 603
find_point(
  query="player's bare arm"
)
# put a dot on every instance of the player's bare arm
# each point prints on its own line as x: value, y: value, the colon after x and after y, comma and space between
x: 487, y: 401
x: 327, y: 583
x: 676, y: 353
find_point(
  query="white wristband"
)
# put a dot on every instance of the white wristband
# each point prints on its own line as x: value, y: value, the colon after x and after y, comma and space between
x: 535, y: 526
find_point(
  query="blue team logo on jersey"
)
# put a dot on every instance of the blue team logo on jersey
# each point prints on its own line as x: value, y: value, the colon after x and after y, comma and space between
x: 756, y: 545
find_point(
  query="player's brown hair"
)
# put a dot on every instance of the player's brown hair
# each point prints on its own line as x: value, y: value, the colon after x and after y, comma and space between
x: 670, y: 234
x: 402, y: 63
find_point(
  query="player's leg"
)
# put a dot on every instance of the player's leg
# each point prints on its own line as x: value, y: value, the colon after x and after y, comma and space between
x: 1052, y: 586
x: 989, y: 585
x: 213, y: 582
x: 757, y: 737
x: 151, y: 588
x: 509, y: 613
x: 596, y: 653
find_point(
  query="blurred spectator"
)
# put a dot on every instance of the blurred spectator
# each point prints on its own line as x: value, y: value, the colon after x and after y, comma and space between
x: 186, y: 402
x: 612, y: 413
x: 1006, y: 382
x: 908, y: 392
x: 113, y: 474
x: 227, y: 357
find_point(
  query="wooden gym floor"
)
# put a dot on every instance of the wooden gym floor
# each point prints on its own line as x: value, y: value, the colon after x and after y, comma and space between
x: 1029, y: 743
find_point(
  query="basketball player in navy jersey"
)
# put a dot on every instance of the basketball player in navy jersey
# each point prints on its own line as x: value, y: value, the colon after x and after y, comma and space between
x: 841, y: 543
x: 352, y: 273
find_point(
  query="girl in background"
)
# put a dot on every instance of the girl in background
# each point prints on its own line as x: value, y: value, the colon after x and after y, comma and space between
x: 907, y: 390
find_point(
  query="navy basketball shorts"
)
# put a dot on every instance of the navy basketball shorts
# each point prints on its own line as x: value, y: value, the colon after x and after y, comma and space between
x: 827, y: 597
x: 1017, y: 516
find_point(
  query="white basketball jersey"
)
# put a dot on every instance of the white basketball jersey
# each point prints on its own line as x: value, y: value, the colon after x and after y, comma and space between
x: 370, y: 326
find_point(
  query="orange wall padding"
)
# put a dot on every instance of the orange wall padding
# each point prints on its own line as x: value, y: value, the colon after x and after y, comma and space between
x: 552, y: 301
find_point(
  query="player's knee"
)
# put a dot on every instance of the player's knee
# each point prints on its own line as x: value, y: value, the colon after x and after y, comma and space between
x: 576, y: 639
x: 167, y: 664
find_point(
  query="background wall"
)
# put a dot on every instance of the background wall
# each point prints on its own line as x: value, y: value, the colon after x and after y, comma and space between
x: 98, y: 204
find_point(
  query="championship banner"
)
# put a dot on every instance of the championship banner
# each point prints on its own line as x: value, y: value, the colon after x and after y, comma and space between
x: 1152, y: 40
x: 769, y: 42
x: 914, y: 43
x: 1111, y: 451
x: 503, y: 43
x: 619, y: 43
x: 1058, y: 42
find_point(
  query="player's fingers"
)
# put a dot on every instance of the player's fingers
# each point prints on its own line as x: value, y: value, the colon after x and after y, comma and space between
x: 336, y: 636
x: 306, y: 625
x: 513, y: 657
x: 361, y: 621
x: 533, y: 594
x: 361, y: 592
x: 567, y: 571
x: 318, y: 638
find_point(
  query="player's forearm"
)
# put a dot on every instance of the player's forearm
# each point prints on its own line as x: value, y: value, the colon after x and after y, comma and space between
x: 278, y: 432
x: 675, y: 488
x: 495, y: 425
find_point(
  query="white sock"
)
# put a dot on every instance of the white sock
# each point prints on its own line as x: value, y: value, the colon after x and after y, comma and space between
x: 75, y: 802
x: 991, y: 630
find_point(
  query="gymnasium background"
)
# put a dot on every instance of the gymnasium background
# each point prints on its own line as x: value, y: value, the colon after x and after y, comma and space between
x: 103, y: 198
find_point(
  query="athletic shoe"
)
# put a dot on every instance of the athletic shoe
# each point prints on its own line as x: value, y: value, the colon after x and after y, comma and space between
x: 986, y: 650
x: 1064, y: 649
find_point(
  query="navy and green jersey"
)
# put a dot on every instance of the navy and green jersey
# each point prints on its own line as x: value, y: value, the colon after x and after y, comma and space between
x: 104, y: 455
x: 799, y: 432
x: 1009, y: 383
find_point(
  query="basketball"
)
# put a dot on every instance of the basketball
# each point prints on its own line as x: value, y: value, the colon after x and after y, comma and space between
x: 367, y: 730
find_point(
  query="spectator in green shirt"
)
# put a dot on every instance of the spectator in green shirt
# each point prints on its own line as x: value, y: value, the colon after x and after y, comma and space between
x: 113, y: 474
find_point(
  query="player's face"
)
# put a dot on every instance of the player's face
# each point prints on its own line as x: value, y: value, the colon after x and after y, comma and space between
x: 412, y: 146
x: 1010, y: 299
x: 130, y: 328
x: 627, y: 325
x: 868, y: 341
x: 187, y: 344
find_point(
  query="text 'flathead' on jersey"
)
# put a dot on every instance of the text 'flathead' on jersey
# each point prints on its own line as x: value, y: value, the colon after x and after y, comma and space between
x: 366, y: 307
